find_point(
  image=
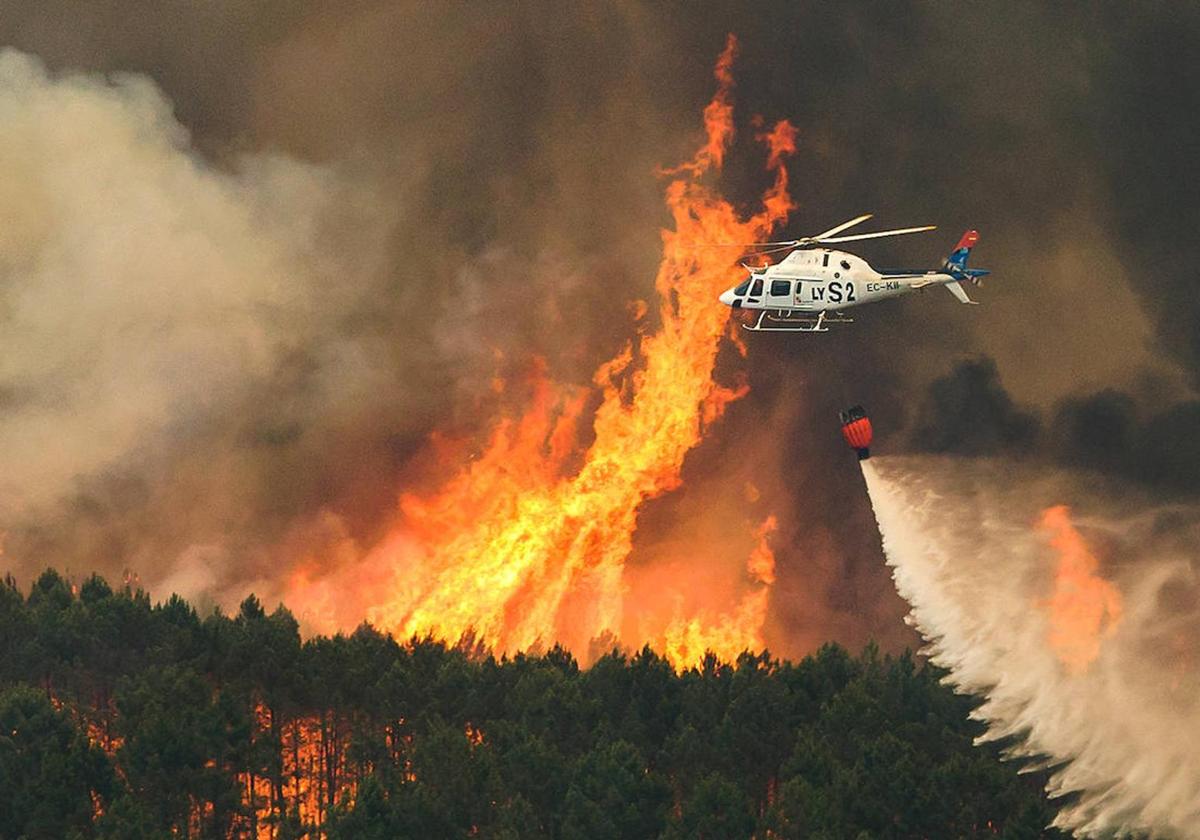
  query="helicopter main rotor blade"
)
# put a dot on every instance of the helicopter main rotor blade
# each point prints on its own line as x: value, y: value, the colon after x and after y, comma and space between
x: 843, y: 226
x: 783, y: 243
x: 878, y: 234
x: 787, y: 246
x: 821, y: 238
x: 792, y: 242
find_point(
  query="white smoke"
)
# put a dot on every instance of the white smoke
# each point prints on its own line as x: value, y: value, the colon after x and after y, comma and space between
x: 150, y: 304
x: 136, y: 283
x: 966, y: 551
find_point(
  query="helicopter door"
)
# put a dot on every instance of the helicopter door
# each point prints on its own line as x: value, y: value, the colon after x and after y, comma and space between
x: 779, y: 294
x: 756, y: 290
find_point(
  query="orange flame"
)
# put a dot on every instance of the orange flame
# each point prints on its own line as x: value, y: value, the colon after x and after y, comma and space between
x: 1085, y: 608
x: 718, y: 115
x: 686, y: 641
x: 526, y: 544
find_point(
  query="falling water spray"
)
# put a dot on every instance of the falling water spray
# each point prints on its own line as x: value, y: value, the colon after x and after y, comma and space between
x: 1072, y: 608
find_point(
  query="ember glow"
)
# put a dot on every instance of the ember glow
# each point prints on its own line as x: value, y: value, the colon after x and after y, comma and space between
x: 1085, y: 608
x: 526, y: 544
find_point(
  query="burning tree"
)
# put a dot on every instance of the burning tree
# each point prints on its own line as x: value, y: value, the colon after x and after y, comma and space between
x: 231, y: 727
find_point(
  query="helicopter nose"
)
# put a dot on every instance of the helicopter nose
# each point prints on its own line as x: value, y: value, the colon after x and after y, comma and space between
x: 726, y: 297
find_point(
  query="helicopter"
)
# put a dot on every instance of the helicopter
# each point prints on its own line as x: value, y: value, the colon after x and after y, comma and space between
x: 812, y: 286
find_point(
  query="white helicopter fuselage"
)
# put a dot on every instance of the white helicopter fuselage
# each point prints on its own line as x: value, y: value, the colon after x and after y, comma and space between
x: 822, y: 280
x: 810, y: 287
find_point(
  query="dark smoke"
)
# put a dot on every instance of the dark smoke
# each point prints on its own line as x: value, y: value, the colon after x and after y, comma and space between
x: 1155, y: 445
x: 1147, y: 142
x: 1109, y: 431
x: 968, y: 412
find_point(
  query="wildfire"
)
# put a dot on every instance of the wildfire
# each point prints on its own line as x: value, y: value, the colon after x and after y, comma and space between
x: 687, y: 640
x: 1085, y: 608
x: 526, y: 544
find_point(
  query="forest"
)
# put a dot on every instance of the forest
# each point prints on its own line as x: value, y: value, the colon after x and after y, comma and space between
x: 123, y: 718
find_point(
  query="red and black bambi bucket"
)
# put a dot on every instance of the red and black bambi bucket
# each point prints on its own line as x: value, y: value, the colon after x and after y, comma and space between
x: 856, y: 429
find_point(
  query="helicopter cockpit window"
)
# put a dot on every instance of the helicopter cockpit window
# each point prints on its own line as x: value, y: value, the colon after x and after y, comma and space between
x: 742, y: 287
x: 756, y: 289
x: 781, y: 288
x: 845, y: 265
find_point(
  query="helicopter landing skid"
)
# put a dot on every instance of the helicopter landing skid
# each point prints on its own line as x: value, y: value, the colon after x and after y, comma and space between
x: 783, y: 321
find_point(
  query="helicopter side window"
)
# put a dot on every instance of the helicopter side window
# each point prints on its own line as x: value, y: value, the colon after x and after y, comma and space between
x: 742, y: 287
x: 781, y: 288
x: 756, y: 289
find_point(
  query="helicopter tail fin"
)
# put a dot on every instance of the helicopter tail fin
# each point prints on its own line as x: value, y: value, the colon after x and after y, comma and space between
x: 957, y: 261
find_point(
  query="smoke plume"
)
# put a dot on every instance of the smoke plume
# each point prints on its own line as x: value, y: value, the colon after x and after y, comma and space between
x: 167, y: 326
x: 331, y: 230
x: 1073, y: 607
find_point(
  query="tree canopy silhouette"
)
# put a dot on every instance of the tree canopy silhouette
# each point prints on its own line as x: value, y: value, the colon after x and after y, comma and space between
x: 120, y: 718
